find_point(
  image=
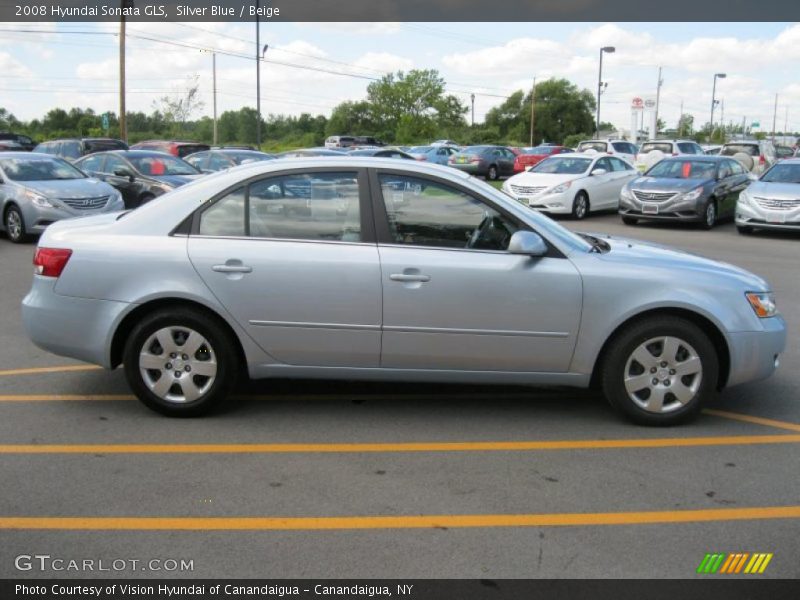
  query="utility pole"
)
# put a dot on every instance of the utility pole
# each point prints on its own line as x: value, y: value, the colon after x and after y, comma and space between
x: 658, y: 100
x: 722, y: 117
x: 258, y: 77
x: 123, y: 124
x: 214, y: 69
x: 472, y: 98
x: 774, y: 118
x: 786, y: 124
x: 744, y: 127
x: 533, y: 110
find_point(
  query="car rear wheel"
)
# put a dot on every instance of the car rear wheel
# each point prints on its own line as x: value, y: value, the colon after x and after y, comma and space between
x: 660, y: 371
x: 580, y: 206
x: 15, y: 225
x: 710, y: 215
x: 180, y: 363
x: 492, y: 173
x: 630, y: 220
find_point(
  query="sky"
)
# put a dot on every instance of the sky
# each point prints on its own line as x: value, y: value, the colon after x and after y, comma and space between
x: 76, y: 64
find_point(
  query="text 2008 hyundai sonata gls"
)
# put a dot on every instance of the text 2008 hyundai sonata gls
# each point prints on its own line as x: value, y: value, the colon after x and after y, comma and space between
x: 391, y: 271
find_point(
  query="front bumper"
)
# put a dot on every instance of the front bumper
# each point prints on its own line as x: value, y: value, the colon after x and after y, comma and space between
x: 671, y: 210
x: 748, y: 215
x: 557, y: 204
x: 38, y: 218
x: 754, y: 354
x: 79, y: 328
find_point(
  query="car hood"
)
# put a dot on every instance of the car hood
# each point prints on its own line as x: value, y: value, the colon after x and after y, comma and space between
x: 778, y: 191
x: 175, y: 180
x: 70, y: 188
x: 652, y: 255
x: 666, y: 184
x: 545, y: 179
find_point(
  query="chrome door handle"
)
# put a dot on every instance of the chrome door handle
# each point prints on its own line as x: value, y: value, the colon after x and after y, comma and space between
x: 232, y: 269
x: 406, y: 277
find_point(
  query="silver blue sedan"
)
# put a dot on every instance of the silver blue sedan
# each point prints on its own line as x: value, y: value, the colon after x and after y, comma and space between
x: 395, y: 270
x: 37, y: 190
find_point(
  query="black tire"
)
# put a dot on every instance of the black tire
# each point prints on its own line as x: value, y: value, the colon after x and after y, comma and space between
x: 219, y: 346
x: 710, y: 215
x: 630, y: 220
x: 684, y: 334
x: 744, y: 229
x: 492, y: 174
x: 580, y: 206
x: 15, y: 225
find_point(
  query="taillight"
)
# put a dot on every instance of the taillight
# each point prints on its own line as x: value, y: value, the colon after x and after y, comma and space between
x: 762, y: 160
x: 173, y: 149
x: 423, y: 157
x: 674, y: 154
x: 475, y: 159
x: 50, y: 262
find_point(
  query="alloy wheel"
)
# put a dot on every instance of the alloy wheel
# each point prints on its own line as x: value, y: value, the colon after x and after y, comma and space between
x: 13, y: 224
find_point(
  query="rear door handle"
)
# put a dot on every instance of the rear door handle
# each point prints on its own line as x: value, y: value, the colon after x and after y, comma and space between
x: 232, y: 269
x: 406, y: 277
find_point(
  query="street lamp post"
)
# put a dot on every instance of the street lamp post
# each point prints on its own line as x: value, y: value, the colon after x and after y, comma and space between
x: 714, y: 98
x: 610, y: 50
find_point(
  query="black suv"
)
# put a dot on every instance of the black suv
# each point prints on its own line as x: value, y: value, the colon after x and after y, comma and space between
x: 73, y: 149
x: 24, y: 141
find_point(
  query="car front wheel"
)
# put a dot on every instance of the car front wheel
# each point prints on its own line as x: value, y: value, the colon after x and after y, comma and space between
x: 181, y: 363
x: 710, y: 215
x: 15, y: 225
x: 660, y: 371
x: 492, y: 173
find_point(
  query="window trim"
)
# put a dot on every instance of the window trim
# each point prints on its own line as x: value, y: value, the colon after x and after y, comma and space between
x: 381, y: 217
x: 364, y: 207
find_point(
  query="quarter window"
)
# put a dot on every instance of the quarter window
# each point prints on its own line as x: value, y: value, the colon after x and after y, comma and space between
x: 427, y: 213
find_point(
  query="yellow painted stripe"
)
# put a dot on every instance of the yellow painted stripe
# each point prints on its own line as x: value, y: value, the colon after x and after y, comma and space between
x: 752, y: 419
x: 64, y: 397
x: 750, y: 564
x: 391, y: 447
x: 727, y: 564
x: 765, y: 563
x: 36, y: 370
x: 399, y: 522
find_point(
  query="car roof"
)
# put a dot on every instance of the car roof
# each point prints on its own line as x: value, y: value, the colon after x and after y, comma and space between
x: 36, y: 155
x: 700, y: 157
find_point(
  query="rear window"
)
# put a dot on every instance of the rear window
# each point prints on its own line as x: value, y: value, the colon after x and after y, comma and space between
x: 665, y: 147
x: 104, y: 145
x: 599, y: 146
x: 187, y: 149
x: 731, y: 149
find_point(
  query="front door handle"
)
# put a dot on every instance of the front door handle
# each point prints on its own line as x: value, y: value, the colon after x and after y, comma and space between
x: 232, y: 268
x: 404, y: 277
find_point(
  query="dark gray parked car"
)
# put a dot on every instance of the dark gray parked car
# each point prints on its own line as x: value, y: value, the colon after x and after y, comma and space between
x: 491, y: 162
x: 685, y: 188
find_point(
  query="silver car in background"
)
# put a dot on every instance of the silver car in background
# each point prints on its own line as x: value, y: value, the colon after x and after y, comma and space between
x: 398, y: 270
x: 772, y: 202
x: 37, y: 190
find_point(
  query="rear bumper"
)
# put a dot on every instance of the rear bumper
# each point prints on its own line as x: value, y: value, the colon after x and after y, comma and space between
x: 754, y: 354
x: 79, y: 328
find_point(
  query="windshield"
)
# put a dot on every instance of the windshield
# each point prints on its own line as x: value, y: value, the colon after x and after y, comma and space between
x: 684, y: 169
x: 161, y: 165
x: 731, y: 149
x: 242, y: 157
x: 539, y: 150
x: 782, y: 173
x: 420, y: 149
x: 599, y: 146
x: 562, y: 165
x: 661, y: 147
x: 39, y: 169
x: 475, y: 149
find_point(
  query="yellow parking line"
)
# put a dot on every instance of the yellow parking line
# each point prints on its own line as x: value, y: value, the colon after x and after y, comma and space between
x: 33, y: 371
x: 752, y: 419
x: 399, y: 522
x: 510, y: 446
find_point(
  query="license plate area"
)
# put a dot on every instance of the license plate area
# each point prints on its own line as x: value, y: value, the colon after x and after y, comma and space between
x: 776, y: 217
x: 649, y: 209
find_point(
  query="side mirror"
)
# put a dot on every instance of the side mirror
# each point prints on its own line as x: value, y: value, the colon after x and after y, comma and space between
x: 527, y: 243
x: 599, y: 172
x: 123, y: 172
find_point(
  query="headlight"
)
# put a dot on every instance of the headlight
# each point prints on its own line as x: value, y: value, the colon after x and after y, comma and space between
x: 38, y: 199
x: 560, y: 188
x: 744, y: 198
x: 625, y: 193
x: 694, y: 194
x: 763, y: 303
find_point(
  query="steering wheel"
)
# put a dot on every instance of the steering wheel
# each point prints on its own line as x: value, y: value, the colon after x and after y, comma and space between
x: 483, y: 227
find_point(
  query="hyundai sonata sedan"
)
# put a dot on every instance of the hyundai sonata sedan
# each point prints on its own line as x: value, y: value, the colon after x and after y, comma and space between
x: 572, y: 184
x: 37, y: 190
x: 772, y: 202
x: 442, y: 279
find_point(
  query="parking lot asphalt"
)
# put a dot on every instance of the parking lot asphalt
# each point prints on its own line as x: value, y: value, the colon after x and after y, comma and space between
x: 348, y: 479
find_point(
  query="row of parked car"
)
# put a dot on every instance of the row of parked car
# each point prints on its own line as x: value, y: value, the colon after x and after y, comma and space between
x: 680, y: 182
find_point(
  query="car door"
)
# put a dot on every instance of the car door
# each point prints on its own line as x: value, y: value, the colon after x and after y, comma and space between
x: 304, y: 284
x: 508, y: 158
x: 453, y: 297
x: 130, y: 190
x: 601, y: 187
x: 622, y: 173
x: 739, y: 181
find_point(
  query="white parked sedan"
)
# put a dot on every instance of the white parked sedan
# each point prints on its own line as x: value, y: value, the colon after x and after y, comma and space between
x: 572, y: 184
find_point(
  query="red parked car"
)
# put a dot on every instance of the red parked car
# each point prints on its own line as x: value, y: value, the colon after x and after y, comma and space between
x: 174, y: 147
x: 532, y: 156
